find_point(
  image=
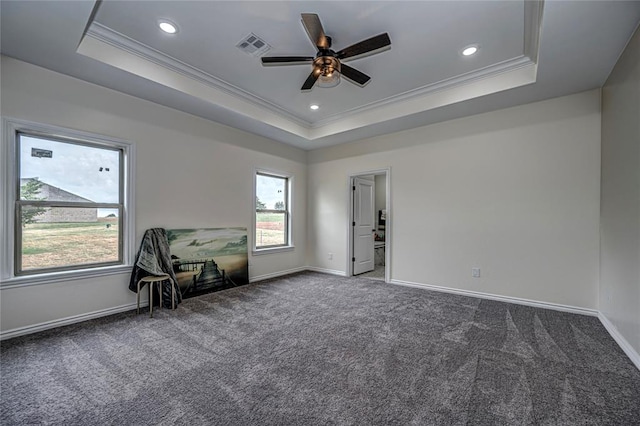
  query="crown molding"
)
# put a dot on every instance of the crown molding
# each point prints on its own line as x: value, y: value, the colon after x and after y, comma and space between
x: 447, y: 84
x: 532, y: 23
x: 120, y: 41
x: 531, y: 36
x: 111, y: 47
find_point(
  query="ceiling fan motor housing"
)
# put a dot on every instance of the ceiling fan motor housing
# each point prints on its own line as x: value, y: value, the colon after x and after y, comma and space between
x: 326, y: 65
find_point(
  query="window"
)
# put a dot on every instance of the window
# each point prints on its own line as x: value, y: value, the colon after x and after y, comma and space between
x: 70, y: 200
x: 273, y: 212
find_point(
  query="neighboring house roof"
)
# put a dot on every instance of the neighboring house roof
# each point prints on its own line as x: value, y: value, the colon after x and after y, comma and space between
x: 47, y: 189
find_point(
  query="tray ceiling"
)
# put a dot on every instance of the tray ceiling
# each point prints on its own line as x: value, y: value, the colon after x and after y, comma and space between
x: 423, y: 78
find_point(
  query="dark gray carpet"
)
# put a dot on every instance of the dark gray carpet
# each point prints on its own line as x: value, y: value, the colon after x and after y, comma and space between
x: 318, y: 349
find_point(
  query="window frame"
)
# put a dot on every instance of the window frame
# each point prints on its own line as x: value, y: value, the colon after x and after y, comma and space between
x: 288, y: 245
x: 10, y: 255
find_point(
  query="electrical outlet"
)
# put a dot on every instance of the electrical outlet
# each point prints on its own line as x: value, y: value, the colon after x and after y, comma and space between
x: 330, y: 256
x: 475, y: 272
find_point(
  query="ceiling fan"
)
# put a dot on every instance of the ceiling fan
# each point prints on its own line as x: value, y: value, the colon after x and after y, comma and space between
x: 327, y: 66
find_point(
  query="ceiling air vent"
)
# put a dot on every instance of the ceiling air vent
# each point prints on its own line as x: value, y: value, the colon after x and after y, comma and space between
x: 253, y: 45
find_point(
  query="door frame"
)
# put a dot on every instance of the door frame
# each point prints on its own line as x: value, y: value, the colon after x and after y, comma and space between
x: 388, y: 222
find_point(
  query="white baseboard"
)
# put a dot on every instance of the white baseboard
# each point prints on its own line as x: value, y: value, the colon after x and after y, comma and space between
x: 276, y: 274
x: 326, y: 271
x: 620, y: 340
x: 508, y: 299
x: 29, y: 329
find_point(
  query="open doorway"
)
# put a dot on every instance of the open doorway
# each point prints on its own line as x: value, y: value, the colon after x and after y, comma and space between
x: 370, y: 224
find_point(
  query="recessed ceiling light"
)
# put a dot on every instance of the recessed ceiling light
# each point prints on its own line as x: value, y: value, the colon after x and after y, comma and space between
x: 469, y: 50
x: 314, y: 107
x: 167, y: 27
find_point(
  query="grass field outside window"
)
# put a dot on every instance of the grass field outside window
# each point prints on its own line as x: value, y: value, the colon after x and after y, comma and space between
x: 270, y: 229
x: 50, y: 245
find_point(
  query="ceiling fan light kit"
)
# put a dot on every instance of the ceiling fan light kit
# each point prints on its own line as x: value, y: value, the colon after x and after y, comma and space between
x: 327, y: 66
x: 328, y: 70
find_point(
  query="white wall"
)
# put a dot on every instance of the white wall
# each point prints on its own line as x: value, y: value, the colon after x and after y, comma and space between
x: 620, y: 202
x: 190, y: 173
x: 515, y: 192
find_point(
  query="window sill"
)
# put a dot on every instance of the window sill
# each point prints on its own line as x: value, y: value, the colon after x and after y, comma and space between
x: 53, y: 277
x: 271, y: 250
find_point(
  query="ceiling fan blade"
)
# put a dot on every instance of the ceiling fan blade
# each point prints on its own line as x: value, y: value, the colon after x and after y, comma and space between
x: 312, y: 25
x: 311, y: 80
x: 354, y: 75
x: 285, y: 60
x: 366, y: 47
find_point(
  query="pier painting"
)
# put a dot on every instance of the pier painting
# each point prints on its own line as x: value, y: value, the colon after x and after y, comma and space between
x: 210, y: 259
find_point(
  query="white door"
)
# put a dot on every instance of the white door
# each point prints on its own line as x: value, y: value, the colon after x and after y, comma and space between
x: 363, y: 225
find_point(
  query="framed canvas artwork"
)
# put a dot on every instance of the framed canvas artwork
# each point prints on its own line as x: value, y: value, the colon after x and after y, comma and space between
x: 209, y: 259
